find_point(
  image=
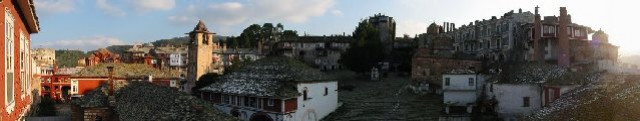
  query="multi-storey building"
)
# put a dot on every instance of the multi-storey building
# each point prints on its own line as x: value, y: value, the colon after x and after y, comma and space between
x: 387, y: 27
x: 19, y: 21
x: 323, y: 52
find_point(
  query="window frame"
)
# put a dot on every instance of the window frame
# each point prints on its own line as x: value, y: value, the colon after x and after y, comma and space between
x: 9, y: 61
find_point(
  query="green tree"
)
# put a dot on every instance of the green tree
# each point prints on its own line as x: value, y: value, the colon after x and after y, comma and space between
x: 366, y: 51
x: 250, y: 36
x: 289, y: 35
x: 68, y: 58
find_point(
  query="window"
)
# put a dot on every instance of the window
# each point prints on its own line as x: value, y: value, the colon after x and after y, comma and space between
x: 9, y: 60
x: 74, y: 86
x: 491, y: 88
x: 270, y: 102
x: 447, y: 81
x: 260, y: 103
x: 23, y: 65
x: 471, y: 81
x: 326, y: 91
x: 305, y: 95
x: 525, y: 101
x: 252, y: 102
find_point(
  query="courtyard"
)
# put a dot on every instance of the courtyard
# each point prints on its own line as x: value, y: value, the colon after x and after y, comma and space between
x: 388, y: 99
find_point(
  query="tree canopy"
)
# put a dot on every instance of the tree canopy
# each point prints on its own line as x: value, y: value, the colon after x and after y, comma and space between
x: 68, y: 58
x: 266, y: 33
x: 366, y: 51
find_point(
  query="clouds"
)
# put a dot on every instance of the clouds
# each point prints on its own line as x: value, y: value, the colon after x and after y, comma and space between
x: 109, y: 9
x: 152, y: 5
x: 118, y: 7
x: 47, y: 7
x: 411, y: 27
x: 232, y: 13
x: 87, y: 43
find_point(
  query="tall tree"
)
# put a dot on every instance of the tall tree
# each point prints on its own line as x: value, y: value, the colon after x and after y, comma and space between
x: 289, y: 35
x: 366, y: 51
x: 250, y: 36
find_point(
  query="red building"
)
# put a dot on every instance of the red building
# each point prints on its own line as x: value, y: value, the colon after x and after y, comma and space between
x: 100, y: 56
x: 20, y: 19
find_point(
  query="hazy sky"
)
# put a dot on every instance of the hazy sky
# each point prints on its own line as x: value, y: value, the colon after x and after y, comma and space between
x: 89, y: 24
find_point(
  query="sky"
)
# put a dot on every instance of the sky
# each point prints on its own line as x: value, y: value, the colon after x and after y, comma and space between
x: 91, y: 24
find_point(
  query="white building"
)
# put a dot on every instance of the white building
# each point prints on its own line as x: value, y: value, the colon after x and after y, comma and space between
x: 461, y: 89
x: 274, y: 89
x: 514, y: 99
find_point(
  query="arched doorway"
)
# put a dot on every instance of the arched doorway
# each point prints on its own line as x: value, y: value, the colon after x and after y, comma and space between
x: 260, y: 117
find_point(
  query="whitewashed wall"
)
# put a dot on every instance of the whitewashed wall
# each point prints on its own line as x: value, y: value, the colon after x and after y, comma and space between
x: 319, y: 105
x: 510, y: 98
x: 459, y: 98
x: 459, y: 82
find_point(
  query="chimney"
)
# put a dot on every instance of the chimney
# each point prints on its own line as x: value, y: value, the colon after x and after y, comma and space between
x: 519, y: 10
x: 444, y: 26
x: 563, y: 39
x: 537, y: 33
x: 453, y: 26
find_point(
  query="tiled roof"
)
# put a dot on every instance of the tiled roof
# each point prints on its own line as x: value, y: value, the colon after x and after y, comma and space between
x: 531, y: 73
x: 145, y: 101
x: 269, y: 77
x: 95, y: 98
x: 614, y: 98
x: 122, y: 70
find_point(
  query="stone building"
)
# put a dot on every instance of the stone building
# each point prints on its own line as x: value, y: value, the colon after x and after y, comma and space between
x: 386, y: 26
x: 323, y: 52
x: 274, y: 89
x: 201, y: 57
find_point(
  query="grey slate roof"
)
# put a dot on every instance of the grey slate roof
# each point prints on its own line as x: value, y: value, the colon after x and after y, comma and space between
x: 95, y: 98
x: 533, y: 73
x: 144, y: 101
x: 613, y: 98
x: 274, y: 77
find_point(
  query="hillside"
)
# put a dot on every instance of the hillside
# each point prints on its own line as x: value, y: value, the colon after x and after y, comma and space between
x: 68, y: 58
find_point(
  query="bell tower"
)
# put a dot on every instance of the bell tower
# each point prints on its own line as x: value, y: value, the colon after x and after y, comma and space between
x: 200, y: 54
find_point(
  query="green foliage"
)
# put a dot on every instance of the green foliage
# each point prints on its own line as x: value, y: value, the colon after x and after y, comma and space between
x: 116, y: 49
x: 173, y: 41
x: 289, y: 35
x: 68, y: 58
x: 205, y: 80
x: 366, y: 51
x: 266, y: 33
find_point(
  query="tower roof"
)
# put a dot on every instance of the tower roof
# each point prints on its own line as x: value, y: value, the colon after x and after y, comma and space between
x: 201, y: 27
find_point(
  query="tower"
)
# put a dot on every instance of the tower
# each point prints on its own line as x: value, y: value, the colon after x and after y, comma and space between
x: 200, y: 54
x: 563, y: 38
x: 538, y: 54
